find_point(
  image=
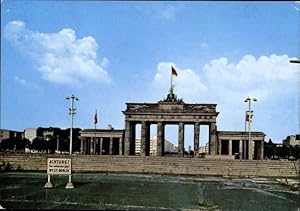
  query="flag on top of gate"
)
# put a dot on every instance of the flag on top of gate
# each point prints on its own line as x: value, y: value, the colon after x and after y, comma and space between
x: 95, y: 118
x: 173, y: 71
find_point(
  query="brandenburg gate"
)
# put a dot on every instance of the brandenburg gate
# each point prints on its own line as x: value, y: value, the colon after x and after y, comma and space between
x: 168, y: 111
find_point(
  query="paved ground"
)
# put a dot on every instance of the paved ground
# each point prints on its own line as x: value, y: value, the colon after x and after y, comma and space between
x: 144, y: 192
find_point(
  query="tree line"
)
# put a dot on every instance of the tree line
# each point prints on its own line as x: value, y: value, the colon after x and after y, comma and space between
x: 48, y: 144
x: 275, y: 151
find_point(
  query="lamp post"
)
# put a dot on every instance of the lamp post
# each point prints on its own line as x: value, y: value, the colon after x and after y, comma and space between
x: 71, y: 112
x: 297, y: 61
x: 249, y: 100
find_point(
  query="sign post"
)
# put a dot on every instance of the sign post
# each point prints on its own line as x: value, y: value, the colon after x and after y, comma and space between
x: 59, y: 166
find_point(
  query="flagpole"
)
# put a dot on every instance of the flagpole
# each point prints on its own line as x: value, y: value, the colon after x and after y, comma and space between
x: 95, y: 140
x: 246, y: 121
x: 171, y: 89
x: 245, y: 133
x: 95, y: 122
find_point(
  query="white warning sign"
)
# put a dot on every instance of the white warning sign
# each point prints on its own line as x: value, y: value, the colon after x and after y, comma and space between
x: 58, y: 166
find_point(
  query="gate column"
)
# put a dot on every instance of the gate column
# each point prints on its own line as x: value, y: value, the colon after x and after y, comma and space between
x: 94, y: 147
x: 212, y: 139
x: 261, y: 150
x: 111, y: 141
x: 240, y: 149
x: 181, y: 139
x: 127, y: 138
x: 147, y: 149
x: 81, y: 146
x: 120, y: 146
x: 229, y: 147
x: 220, y: 146
x: 160, y: 139
x: 143, y: 138
x: 84, y: 146
x: 129, y: 143
x: 250, y: 150
x: 100, y: 145
x: 132, y: 138
x: 196, y: 137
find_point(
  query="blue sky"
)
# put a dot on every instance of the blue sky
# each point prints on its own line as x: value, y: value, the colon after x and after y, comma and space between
x: 108, y: 53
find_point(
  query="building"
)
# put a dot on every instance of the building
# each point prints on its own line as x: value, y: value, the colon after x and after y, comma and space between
x: 166, y: 112
x: 7, y: 134
x: 237, y: 143
x: 30, y: 133
x: 102, y: 141
x: 169, y: 147
x: 203, y: 149
x: 292, y: 140
x: 49, y: 132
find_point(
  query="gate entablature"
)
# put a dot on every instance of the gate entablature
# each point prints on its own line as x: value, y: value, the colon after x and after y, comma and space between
x: 170, y: 107
x: 171, y: 112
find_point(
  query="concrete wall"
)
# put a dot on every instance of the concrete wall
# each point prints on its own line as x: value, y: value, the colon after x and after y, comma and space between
x: 161, y: 165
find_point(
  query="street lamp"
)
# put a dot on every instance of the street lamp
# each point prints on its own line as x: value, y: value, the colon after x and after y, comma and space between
x: 298, y: 62
x: 249, y: 100
x: 72, y: 112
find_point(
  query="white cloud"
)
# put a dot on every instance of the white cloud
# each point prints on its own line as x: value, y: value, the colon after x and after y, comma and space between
x: 262, y: 76
x: 271, y: 79
x: 61, y: 57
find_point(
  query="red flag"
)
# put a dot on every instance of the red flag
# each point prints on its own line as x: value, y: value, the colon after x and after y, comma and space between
x: 247, y: 118
x: 173, y: 71
x: 95, y: 118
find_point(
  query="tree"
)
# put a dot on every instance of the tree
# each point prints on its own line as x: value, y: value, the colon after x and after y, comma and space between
x: 51, y: 144
x: 64, y: 144
x: 295, y: 152
x: 269, y: 149
x: 282, y: 152
x: 76, y: 143
x: 39, y: 144
x: 8, y: 143
x: 22, y: 143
